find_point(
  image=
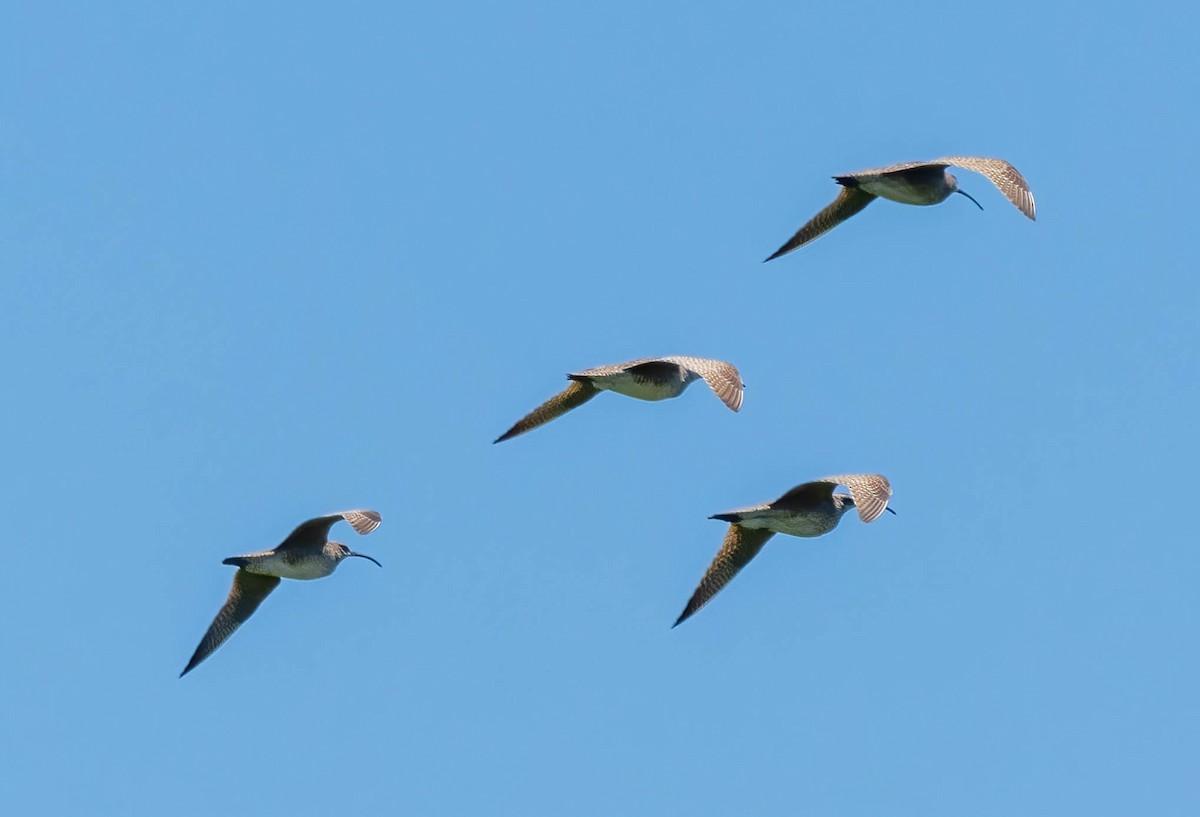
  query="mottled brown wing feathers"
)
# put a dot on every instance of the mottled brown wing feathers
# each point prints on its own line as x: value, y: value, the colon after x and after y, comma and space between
x: 249, y: 590
x: 1002, y: 174
x: 849, y: 202
x: 723, y: 378
x: 870, y: 492
x: 573, y: 396
x: 740, y: 546
x: 314, y: 532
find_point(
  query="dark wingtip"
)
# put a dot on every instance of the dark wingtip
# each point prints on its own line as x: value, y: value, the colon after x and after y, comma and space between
x: 725, y: 517
x: 684, y: 616
x: 892, y: 511
x: 236, y: 561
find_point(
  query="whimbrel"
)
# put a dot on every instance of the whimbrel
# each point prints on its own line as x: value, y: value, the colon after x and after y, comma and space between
x: 910, y: 183
x: 307, y: 553
x: 810, y: 509
x: 656, y: 378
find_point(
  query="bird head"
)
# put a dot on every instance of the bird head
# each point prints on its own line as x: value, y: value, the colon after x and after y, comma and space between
x: 345, y: 553
x: 952, y: 183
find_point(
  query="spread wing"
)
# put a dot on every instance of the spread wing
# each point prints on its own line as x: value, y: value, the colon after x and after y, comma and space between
x: 363, y: 521
x: 721, y: 377
x: 1000, y: 173
x: 573, y: 396
x: 849, y: 202
x: 740, y: 546
x: 249, y: 590
x: 870, y: 492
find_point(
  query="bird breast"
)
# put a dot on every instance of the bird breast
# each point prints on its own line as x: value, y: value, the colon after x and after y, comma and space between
x: 303, y: 568
x: 901, y: 189
x: 791, y: 523
x: 642, y: 388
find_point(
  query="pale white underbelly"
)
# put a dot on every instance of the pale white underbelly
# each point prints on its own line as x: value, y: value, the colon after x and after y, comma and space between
x: 791, y: 524
x: 903, y: 192
x: 630, y: 386
x: 302, y: 570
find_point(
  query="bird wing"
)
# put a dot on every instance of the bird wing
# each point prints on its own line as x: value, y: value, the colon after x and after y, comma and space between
x: 1000, y: 173
x: 573, y: 396
x: 806, y: 496
x: 740, y: 546
x: 849, y: 202
x: 317, y: 530
x: 249, y: 590
x: 721, y: 377
x: 870, y: 492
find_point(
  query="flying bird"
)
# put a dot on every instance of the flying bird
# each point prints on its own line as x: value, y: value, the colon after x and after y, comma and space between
x: 811, y: 509
x: 657, y: 378
x: 910, y: 183
x: 307, y: 553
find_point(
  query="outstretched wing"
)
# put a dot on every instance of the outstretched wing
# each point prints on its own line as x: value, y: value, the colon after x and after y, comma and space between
x: 849, y: 202
x: 573, y: 396
x: 740, y: 546
x: 1000, y: 173
x: 870, y: 492
x: 721, y: 377
x: 249, y: 590
x: 317, y: 530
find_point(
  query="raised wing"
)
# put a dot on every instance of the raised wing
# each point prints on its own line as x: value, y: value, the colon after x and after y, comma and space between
x: 573, y: 396
x: 740, y: 546
x: 848, y: 203
x: 249, y: 590
x: 363, y: 521
x: 721, y: 377
x: 870, y: 492
x: 1000, y: 173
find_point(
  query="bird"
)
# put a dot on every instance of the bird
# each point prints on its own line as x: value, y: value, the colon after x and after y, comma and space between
x: 307, y: 553
x: 910, y: 183
x: 811, y: 509
x: 654, y: 378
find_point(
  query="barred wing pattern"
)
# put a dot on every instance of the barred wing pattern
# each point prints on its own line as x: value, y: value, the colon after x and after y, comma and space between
x: 317, y: 530
x: 1002, y: 174
x: 740, y: 546
x: 850, y: 201
x: 870, y: 492
x: 723, y: 378
x: 573, y: 396
x: 249, y: 590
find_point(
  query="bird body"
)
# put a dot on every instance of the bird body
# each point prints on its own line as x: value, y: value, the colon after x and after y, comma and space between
x: 919, y: 183
x: 815, y: 519
x: 305, y: 554
x: 808, y: 510
x: 651, y: 379
x: 922, y: 186
x: 289, y: 564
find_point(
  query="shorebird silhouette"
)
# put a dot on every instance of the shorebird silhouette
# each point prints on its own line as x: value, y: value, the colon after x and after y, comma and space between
x: 919, y: 183
x: 307, y: 553
x: 654, y: 378
x: 807, y: 510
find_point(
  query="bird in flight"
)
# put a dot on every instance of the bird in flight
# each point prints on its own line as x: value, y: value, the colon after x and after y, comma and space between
x: 919, y: 183
x: 655, y: 378
x: 811, y: 509
x: 307, y: 553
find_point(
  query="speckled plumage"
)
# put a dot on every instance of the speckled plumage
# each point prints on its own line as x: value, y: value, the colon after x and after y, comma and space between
x: 811, y: 509
x: 920, y: 183
x: 656, y: 378
x: 307, y: 553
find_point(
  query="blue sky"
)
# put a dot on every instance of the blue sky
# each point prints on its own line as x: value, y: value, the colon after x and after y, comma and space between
x: 262, y: 263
